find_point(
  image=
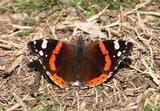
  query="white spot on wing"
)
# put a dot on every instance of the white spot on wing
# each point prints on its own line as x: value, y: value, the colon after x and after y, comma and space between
x: 115, y: 67
x: 34, y: 42
x: 44, y: 67
x: 119, y: 62
x: 41, y: 53
x: 36, y: 50
x: 44, y: 44
x: 126, y: 43
x: 40, y: 61
x: 116, y: 44
x: 124, y: 51
x: 119, y: 53
x: 46, y: 55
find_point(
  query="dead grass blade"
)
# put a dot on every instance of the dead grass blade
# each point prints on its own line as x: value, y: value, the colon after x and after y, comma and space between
x: 11, y: 44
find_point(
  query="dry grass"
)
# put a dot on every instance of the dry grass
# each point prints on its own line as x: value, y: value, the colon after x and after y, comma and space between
x: 136, y: 88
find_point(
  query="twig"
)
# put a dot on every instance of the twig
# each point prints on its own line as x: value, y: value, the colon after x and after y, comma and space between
x: 5, y: 36
x: 151, y: 55
x: 129, y: 107
x: 11, y: 43
x: 97, y: 16
x: 140, y: 21
x: 2, y: 68
x: 137, y: 7
x: 96, y: 97
x: 15, y: 64
x: 67, y: 26
x: 51, y: 28
x: 138, y: 35
x: 22, y: 51
x: 125, y: 14
x: 51, y: 93
x: 3, y: 82
x: 20, y: 101
x: 5, y: 46
x: 156, y: 57
x: 77, y: 97
x: 21, y: 27
x: 139, y: 46
x: 3, y: 3
x: 150, y: 13
x: 155, y: 79
x: 137, y: 69
x: 17, y: 104
x: 110, y: 25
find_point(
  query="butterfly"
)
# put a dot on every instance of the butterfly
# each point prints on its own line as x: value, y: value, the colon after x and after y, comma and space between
x: 79, y: 64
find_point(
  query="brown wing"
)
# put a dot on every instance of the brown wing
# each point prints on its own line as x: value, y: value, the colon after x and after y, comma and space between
x: 101, y: 59
x: 57, y: 59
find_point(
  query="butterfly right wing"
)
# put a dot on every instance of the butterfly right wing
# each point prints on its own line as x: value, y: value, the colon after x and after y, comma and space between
x: 102, y: 59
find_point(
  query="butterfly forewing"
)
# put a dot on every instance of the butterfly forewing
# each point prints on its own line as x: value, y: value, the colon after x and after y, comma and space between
x: 43, y: 48
x: 118, y: 50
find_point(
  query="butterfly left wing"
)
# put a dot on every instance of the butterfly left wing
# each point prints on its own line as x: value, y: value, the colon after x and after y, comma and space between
x: 102, y: 59
x: 56, y: 57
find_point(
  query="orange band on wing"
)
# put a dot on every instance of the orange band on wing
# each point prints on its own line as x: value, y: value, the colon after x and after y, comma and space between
x: 98, y: 80
x: 108, y: 63
x: 106, y: 55
x: 52, y: 62
x: 58, y: 80
x: 103, y: 48
x: 53, y: 56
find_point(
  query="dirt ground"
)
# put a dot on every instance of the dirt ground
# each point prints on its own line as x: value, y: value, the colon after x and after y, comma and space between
x: 135, y: 88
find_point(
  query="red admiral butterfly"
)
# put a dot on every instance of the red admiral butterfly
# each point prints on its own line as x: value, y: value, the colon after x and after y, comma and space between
x: 85, y: 66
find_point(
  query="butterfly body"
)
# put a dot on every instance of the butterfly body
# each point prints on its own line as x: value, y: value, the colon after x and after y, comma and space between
x: 80, y: 64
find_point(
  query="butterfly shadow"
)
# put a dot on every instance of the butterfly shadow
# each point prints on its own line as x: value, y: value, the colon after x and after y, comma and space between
x: 37, y: 67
